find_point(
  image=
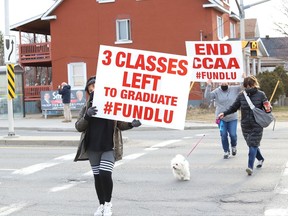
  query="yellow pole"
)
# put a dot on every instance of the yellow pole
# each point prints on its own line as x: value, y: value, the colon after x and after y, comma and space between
x: 191, y: 86
x: 274, y: 91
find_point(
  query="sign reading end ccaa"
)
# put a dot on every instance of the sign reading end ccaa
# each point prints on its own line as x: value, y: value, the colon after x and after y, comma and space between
x: 220, y: 61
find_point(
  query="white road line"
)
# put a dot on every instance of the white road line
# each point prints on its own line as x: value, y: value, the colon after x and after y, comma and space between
x: 165, y: 143
x: 133, y: 156
x: 285, y: 173
x: 65, y: 187
x: 67, y: 157
x: 8, y: 169
x: 276, y: 212
x: 38, y: 167
x: 34, y: 168
x: 118, y: 163
x: 7, y: 210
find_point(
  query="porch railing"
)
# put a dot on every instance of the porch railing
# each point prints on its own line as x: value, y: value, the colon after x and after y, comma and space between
x: 33, y: 93
x: 35, y: 52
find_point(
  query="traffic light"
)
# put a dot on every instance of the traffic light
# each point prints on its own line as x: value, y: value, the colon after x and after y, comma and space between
x: 253, y: 48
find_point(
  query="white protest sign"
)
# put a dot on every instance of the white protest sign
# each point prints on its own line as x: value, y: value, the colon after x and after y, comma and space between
x: 135, y: 84
x: 220, y: 61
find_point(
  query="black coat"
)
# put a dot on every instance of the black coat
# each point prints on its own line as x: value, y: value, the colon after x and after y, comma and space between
x: 66, y: 94
x: 252, y: 131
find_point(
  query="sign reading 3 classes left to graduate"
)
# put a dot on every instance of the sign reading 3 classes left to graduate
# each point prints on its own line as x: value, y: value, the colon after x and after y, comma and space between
x: 135, y: 84
x: 219, y: 61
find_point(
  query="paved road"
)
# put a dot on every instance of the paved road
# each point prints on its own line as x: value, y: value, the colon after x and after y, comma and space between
x: 43, y: 180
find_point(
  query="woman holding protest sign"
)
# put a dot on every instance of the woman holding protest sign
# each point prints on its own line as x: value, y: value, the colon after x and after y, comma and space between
x: 251, y: 131
x: 101, y: 144
x: 224, y: 96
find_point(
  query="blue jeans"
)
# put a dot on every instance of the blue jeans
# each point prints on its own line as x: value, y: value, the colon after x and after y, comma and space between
x: 231, y: 129
x: 254, y: 152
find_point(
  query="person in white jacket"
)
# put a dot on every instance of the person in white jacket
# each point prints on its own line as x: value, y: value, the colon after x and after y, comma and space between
x: 224, y: 96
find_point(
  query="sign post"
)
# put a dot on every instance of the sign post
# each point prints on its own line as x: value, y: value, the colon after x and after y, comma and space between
x: 10, y: 60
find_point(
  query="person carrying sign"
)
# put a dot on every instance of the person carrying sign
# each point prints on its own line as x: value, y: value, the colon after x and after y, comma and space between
x: 224, y: 96
x: 251, y: 131
x: 98, y: 143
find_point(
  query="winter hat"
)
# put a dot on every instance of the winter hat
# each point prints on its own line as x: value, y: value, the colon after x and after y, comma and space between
x: 89, y: 82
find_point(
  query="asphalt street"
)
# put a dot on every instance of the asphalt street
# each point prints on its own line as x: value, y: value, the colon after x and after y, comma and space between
x: 41, y: 180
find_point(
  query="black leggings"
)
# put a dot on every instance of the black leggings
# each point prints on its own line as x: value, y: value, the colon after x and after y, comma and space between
x: 104, y: 186
x: 102, y: 164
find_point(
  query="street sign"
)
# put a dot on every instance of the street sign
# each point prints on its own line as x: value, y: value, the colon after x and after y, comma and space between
x: 10, y: 49
x: 11, y: 81
x: 253, y: 49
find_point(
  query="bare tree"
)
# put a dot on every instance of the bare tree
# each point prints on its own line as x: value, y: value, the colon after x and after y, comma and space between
x: 36, y: 75
x: 282, y: 27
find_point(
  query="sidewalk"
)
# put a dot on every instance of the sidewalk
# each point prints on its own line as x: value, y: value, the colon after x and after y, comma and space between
x: 54, y: 124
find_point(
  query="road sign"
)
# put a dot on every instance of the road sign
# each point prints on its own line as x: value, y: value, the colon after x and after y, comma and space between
x: 253, y: 49
x: 10, y: 49
x: 11, y: 81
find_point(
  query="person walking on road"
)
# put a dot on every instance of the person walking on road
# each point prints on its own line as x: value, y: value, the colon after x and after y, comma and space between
x: 65, y: 91
x: 101, y: 143
x: 224, y: 96
x: 251, y: 131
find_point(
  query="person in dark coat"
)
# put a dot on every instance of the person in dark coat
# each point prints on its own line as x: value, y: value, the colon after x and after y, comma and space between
x: 251, y: 131
x: 65, y: 91
x: 101, y: 143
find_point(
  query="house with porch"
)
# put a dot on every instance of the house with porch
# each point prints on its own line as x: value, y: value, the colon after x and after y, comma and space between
x: 71, y: 32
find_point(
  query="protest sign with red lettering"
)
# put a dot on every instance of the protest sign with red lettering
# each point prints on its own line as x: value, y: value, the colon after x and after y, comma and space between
x: 220, y: 61
x: 135, y: 84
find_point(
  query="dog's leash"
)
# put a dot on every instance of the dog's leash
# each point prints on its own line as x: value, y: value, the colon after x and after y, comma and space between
x: 195, y: 146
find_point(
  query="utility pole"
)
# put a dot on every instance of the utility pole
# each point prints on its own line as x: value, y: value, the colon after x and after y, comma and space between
x: 11, y: 132
x: 242, y: 9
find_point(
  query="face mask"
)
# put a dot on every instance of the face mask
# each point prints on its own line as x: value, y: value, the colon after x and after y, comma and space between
x: 91, y: 95
x: 224, y: 88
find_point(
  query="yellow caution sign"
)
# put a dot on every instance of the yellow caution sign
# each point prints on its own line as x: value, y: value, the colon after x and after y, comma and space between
x: 11, y: 81
x: 245, y: 44
x: 253, y: 48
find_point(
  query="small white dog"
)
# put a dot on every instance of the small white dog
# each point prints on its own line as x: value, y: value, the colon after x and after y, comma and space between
x: 180, y: 167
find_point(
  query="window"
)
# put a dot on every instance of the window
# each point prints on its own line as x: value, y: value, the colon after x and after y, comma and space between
x: 105, y: 1
x: 232, y: 30
x: 123, y: 31
x: 77, y: 75
x: 220, y: 27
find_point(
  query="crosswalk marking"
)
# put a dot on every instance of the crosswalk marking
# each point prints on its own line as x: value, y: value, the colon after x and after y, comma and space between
x: 8, y: 210
x: 38, y: 167
x: 34, y: 168
x: 276, y: 212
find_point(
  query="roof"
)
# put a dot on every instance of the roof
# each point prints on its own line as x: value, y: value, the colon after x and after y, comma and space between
x: 34, y: 24
x: 276, y: 46
x: 39, y: 24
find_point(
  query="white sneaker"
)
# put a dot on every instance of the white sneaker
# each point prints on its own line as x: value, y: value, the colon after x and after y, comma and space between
x: 107, y: 209
x: 226, y: 155
x: 234, y: 150
x: 249, y: 171
x: 99, y: 211
x: 260, y: 163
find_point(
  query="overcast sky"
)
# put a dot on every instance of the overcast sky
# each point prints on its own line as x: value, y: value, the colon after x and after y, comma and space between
x: 266, y: 13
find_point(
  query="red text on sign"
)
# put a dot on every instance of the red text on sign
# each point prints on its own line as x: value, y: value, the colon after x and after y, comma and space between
x: 149, y: 97
x: 151, y: 63
x: 143, y: 113
x: 211, y: 63
x: 213, y: 49
x: 216, y: 75
x: 140, y: 81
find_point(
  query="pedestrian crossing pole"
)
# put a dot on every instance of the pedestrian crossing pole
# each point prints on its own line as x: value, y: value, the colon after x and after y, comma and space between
x: 9, y: 52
